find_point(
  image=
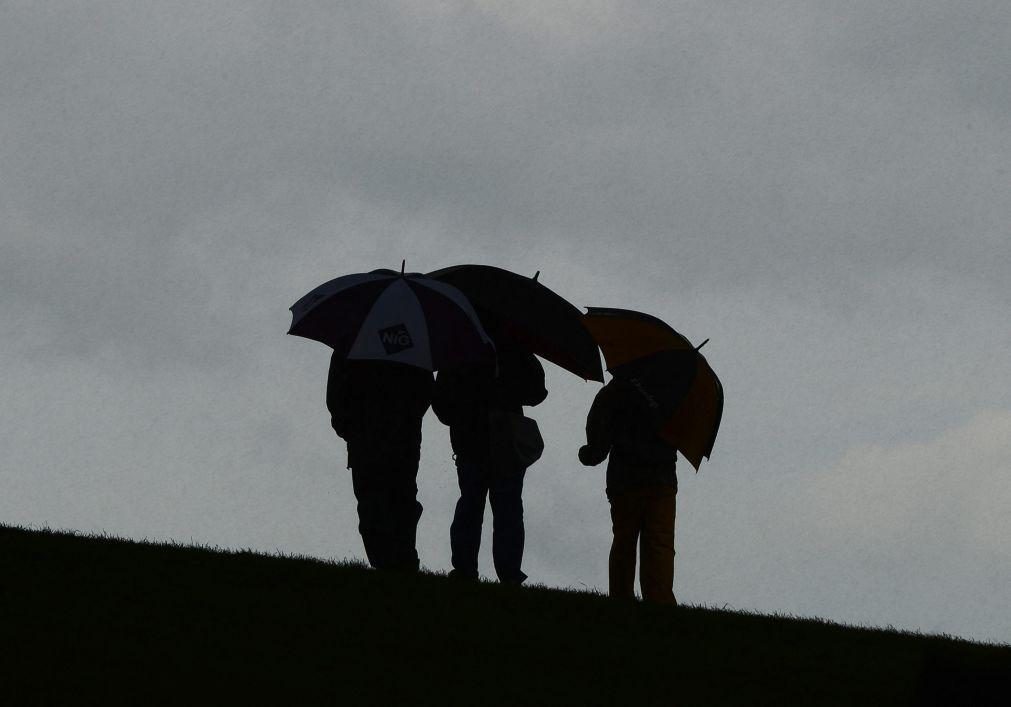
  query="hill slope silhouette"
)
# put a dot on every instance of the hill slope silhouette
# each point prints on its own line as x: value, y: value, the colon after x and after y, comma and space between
x: 88, y: 620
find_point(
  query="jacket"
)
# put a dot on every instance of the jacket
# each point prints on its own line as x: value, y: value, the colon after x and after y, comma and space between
x: 620, y: 428
x: 377, y: 407
x: 464, y: 395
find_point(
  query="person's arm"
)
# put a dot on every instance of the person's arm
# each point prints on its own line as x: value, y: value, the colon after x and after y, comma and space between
x: 336, y: 395
x: 424, y: 392
x: 599, y: 430
x: 443, y: 397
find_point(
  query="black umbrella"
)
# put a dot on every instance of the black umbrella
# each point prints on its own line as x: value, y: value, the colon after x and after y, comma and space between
x: 384, y: 315
x: 529, y: 313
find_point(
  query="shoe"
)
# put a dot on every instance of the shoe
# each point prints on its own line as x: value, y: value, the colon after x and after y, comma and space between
x: 518, y: 578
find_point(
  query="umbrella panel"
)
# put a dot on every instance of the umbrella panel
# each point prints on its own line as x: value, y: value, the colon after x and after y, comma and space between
x: 349, y: 307
x: 454, y: 338
x: 395, y: 330
x: 623, y: 340
x: 692, y: 426
x: 663, y: 378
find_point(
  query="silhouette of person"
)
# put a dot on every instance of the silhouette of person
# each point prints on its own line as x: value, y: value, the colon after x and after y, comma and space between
x: 377, y: 407
x: 463, y: 399
x: 641, y: 488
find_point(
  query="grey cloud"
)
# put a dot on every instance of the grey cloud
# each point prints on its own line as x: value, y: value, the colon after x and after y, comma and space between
x: 650, y: 133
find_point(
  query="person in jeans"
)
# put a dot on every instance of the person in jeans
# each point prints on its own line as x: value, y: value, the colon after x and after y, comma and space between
x: 641, y: 488
x: 463, y: 399
x: 377, y: 408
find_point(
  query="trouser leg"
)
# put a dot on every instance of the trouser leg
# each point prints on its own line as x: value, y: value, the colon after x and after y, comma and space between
x: 375, y: 519
x: 388, y: 513
x: 506, y: 496
x: 656, y: 570
x: 625, y: 524
x: 406, y: 512
x: 465, y: 531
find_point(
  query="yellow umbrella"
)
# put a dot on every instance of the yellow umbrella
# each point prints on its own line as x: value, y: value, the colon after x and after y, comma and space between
x: 681, y: 388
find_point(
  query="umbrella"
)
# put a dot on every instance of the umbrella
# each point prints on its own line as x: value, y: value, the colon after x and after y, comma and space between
x: 683, y: 393
x: 530, y: 314
x: 384, y: 315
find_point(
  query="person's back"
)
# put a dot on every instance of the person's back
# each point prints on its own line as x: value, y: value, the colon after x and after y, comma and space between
x: 621, y: 429
x: 463, y: 397
x: 641, y: 488
x: 377, y: 407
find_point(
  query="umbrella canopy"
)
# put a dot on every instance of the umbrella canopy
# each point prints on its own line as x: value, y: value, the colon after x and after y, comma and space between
x: 384, y: 315
x: 681, y: 389
x: 530, y: 314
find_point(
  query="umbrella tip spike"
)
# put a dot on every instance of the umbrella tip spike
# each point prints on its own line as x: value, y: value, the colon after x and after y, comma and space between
x: 702, y: 344
x: 536, y: 274
x: 403, y: 263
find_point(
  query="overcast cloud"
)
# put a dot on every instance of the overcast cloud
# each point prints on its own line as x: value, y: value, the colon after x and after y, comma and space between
x: 819, y: 188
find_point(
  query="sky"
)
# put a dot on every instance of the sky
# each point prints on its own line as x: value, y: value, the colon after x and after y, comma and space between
x: 819, y: 188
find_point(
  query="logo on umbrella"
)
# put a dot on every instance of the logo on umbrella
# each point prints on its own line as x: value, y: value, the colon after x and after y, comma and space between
x: 650, y: 400
x: 395, y: 339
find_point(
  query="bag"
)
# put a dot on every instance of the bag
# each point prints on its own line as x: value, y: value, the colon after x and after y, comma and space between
x: 514, y: 439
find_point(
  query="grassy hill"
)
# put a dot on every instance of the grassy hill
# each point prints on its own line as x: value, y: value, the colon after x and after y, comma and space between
x: 103, y: 621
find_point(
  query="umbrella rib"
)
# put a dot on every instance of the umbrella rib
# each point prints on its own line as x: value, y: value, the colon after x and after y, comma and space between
x: 424, y: 322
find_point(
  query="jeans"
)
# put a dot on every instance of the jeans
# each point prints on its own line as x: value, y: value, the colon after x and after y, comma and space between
x: 505, y: 491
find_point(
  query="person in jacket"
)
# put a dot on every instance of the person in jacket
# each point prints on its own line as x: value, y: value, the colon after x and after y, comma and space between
x: 641, y: 488
x: 377, y: 407
x: 464, y: 399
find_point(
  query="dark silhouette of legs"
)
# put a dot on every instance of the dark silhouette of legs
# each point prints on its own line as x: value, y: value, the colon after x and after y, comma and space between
x: 626, y: 521
x: 506, y: 496
x: 388, y: 514
x: 465, y: 531
x: 504, y: 489
x: 656, y: 546
x: 644, y: 516
x: 406, y: 512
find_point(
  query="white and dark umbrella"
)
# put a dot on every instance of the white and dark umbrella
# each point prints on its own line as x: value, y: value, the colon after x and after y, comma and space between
x: 400, y: 317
